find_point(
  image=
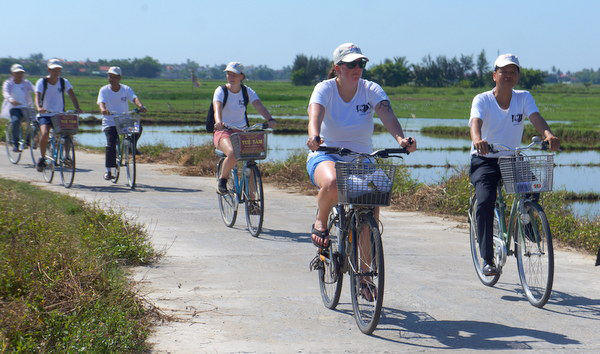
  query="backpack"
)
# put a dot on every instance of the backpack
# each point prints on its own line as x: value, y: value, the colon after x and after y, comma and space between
x: 210, y: 117
x: 62, y: 89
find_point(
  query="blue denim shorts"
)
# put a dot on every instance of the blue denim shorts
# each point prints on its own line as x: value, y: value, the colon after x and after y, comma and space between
x: 43, y: 120
x: 315, y: 159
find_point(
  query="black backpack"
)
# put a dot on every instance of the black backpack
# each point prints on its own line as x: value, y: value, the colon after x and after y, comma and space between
x: 62, y: 89
x: 210, y: 117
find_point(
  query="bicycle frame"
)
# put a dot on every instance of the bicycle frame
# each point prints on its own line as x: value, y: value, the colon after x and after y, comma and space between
x: 240, y: 181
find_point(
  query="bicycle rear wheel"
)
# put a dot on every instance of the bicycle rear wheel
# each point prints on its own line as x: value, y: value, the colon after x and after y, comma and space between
x: 67, y: 162
x: 129, y: 160
x: 254, y: 200
x: 228, y: 202
x: 34, y: 142
x: 13, y: 156
x: 367, y: 274
x: 330, y: 274
x: 535, y: 254
x: 474, y: 240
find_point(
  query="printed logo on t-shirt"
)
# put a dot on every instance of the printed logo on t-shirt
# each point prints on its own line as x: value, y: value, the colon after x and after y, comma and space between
x: 123, y: 99
x: 363, y: 109
x: 241, y: 103
x: 517, y: 118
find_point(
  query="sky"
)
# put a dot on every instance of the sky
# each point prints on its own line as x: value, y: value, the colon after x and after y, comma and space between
x: 543, y: 33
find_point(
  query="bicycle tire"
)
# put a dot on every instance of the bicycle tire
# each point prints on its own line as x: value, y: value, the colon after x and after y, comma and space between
x: 13, y: 156
x: 535, y: 255
x: 67, y: 162
x: 34, y: 142
x: 129, y: 159
x: 330, y: 274
x: 474, y: 241
x: 49, y: 166
x: 255, y: 202
x: 367, y: 299
x: 228, y: 202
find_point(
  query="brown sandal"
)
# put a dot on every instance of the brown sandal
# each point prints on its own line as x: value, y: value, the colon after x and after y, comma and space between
x: 323, y: 236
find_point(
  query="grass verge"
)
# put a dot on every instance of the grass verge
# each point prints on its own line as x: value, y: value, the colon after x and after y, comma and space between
x: 62, y: 283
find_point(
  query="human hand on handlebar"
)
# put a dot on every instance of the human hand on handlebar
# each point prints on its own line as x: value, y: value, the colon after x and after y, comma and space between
x: 482, y: 147
x: 409, y: 143
x: 553, y: 143
x: 219, y: 126
x: 314, y: 142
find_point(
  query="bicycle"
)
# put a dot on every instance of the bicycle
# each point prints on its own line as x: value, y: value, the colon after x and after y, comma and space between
x: 525, y: 176
x: 244, y: 184
x: 128, y: 125
x: 62, y: 149
x: 30, y: 138
x: 355, y: 245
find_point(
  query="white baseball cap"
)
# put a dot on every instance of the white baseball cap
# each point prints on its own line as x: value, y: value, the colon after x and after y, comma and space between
x: 347, y: 53
x: 16, y: 68
x: 507, y: 59
x: 235, y: 67
x: 114, y: 70
x: 54, y: 63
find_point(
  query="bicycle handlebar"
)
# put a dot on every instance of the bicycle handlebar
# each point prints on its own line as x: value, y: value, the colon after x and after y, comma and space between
x: 536, y: 140
x: 255, y: 127
x: 385, y: 153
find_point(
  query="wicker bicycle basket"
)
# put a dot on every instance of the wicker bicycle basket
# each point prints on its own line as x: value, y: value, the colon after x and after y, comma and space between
x: 65, y: 123
x: 527, y: 174
x: 368, y: 184
x: 127, y: 124
x: 249, y: 145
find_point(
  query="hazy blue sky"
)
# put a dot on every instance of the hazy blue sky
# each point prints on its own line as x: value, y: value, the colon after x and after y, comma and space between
x: 542, y: 33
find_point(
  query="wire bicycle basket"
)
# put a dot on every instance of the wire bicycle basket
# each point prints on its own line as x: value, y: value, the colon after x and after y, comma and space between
x: 365, y: 183
x: 127, y: 124
x: 527, y: 173
x: 249, y: 145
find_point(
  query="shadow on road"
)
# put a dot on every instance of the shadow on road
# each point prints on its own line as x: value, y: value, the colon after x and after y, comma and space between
x: 139, y: 188
x: 284, y: 235
x: 419, y: 329
x: 574, y: 305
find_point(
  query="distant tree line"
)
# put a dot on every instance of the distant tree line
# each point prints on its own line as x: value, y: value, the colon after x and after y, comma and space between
x: 464, y: 71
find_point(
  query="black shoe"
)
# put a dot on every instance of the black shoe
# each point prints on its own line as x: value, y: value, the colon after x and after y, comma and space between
x: 40, y: 165
x: 108, y: 176
x: 222, y: 186
x: 16, y: 149
x: 489, y: 268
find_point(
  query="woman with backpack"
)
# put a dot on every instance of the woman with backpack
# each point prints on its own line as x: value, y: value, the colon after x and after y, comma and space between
x: 229, y: 105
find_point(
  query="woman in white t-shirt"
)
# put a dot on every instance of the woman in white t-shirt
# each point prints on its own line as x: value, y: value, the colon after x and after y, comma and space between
x: 498, y: 116
x: 114, y: 97
x: 17, y: 92
x: 233, y: 115
x: 340, y: 114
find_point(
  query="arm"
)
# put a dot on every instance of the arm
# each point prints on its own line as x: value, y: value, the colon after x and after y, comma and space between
x: 103, y: 108
x: 316, y: 113
x: 388, y: 118
x: 540, y: 124
x: 260, y: 108
x: 139, y: 104
x: 480, y: 144
x: 218, y: 107
x: 38, y: 102
x: 74, y: 100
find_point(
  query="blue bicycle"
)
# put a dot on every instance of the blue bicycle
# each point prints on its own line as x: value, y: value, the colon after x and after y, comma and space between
x: 61, y: 148
x: 244, y: 184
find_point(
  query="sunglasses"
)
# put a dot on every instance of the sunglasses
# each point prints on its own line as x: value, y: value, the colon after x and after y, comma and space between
x: 361, y: 63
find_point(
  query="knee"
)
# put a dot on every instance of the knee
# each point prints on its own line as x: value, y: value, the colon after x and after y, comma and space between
x: 329, y: 185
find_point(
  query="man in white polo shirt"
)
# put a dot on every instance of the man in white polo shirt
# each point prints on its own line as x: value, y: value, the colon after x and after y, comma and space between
x: 114, y: 98
x: 498, y: 116
x: 50, y: 97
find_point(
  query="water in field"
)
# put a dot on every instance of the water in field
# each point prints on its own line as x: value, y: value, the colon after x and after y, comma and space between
x: 577, y: 179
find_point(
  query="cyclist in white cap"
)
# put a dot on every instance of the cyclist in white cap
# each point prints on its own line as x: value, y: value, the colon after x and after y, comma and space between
x: 50, y: 97
x: 340, y: 114
x: 114, y: 97
x: 230, y: 110
x: 498, y: 116
x: 18, y: 93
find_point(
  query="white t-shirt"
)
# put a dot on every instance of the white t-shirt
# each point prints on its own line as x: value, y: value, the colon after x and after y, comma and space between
x: 499, y: 125
x: 53, y: 99
x: 21, y: 92
x: 348, y: 124
x: 234, y: 111
x: 115, y: 102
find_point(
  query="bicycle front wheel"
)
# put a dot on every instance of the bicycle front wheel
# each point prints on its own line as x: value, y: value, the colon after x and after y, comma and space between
x: 227, y: 202
x: 67, y: 162
x: 474, y: 240
x: 254, y: 200
x: 34, y: 137
x: 13, y: 156
x: 129, y: 161
x: 535, y: 254
x: 330, y: 274
x: 367, y: 274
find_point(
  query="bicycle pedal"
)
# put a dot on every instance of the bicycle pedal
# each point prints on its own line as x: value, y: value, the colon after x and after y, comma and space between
x: 316, y: 263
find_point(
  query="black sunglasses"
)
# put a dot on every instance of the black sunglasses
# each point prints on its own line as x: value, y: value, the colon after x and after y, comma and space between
x: 360, y: 62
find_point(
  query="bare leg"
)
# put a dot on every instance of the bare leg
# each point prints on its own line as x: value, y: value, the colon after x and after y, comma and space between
x: 230, y: 161
x: 44, y: 135
x: 325, y: 178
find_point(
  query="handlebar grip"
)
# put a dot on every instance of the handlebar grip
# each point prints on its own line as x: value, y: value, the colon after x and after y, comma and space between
x: 545, y: 145
x: 318, y: 138
x: 328, y: 149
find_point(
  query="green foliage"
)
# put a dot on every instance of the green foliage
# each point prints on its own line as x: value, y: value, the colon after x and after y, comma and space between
x: 531, y: 78
x: 390, y: 73
x: 61, y: 285
x: 309, y: 71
